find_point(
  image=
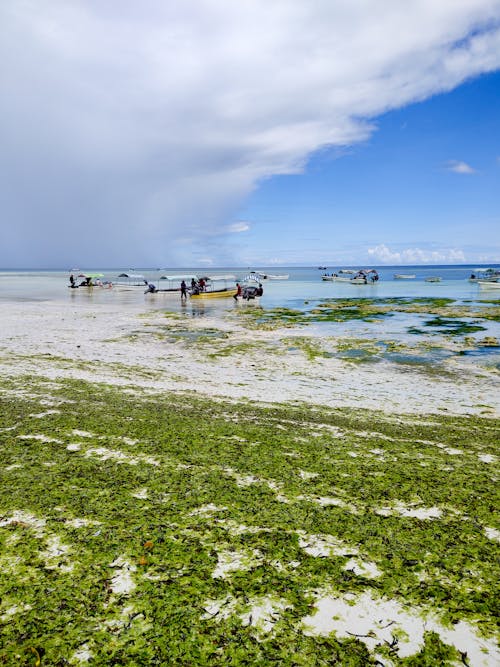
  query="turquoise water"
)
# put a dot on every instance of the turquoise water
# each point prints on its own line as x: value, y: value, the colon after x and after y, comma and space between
x: 304, y: 284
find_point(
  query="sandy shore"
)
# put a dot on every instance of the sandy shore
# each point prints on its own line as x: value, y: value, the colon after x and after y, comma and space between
x: 108, y: 343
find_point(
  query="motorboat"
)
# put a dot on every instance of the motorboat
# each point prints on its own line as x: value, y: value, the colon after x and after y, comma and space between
x: 433, y: 279
x: 404, y: 276
x: 335, y: 278
x: 130, y: 281
x: 485, y: 275
x: 89, y: 281
x: 365, y: 277
x: 211, y: 287
x: 352, y: 271
x: 172, y: 281
x: 488, y: 284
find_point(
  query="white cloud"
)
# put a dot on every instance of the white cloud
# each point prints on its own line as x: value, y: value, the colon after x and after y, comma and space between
x: 238, y: 227
x: 132, y: 132
x: 459, y: 167
x: 383, y: 255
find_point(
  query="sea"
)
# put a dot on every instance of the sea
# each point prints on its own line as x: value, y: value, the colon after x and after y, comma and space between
x: 303, y: 287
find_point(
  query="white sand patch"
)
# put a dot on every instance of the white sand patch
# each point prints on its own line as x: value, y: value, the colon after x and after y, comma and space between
x: 13, y: 610
x: 13, y: 466
x: 353, y: 455
x: 26, y: 519
x: 362, y: 568
x: 234, y: 528
x: 206, y: 510
x: 221, y: 608
x: 330, y: 501
x: 81, y: 523
x: 233, y: 561
x: 247, y: 480
x: 54, y: 552
x: 261, y: 613
x: 40, y: 415
x: 323, y: 546
x: 487, y: 458
x: 412, y: 512
x: 83, y: 434
x: 492, y: 534
x: 122, y: 582
x: 74, y: 447
x: 141, y: 494
x: 304, y: 474
x: 380, y: 621
x: 377, y: 452
x: 84, y: 654
x: 104, y: 454
x: 40, y: 437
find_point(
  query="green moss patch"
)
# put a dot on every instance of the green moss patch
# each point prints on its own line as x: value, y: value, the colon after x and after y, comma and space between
x: 159, y: 530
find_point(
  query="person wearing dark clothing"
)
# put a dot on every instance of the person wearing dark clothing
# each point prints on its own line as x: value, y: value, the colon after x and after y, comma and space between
x: 183, y: 290
x: 151, y: 289
x: 260, y: 290
x: 238, y: 292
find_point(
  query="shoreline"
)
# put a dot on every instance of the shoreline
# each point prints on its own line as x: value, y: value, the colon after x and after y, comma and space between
x: 218, y: 356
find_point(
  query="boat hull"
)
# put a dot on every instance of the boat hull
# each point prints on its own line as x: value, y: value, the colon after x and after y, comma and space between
x: 215, y: 294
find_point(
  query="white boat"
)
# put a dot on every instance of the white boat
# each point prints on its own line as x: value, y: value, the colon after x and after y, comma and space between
x: 130, y: 281
x: 172, y: 281
x: 485, y: 275
x: 433, y: 279
x: 352, y: 271
x: 336, y: 279
x: 89, y: 281
x: 488, y: 284
x: 261, y: 275
x: 365, y: 277
x: 404, y: 276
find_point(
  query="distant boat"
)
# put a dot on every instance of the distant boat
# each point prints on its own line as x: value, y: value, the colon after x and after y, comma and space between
x: 335, y: 278
x: 321, y: 268
x: 488, y: 284
x: 260, y: 275
x: 404, y: 276
x: 347, y: 271
x: 433, y: 279
x: 485, y: 275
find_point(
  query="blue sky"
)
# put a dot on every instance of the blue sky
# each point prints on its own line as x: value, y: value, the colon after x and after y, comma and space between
x: 215, y: 133
x: 427, y: 179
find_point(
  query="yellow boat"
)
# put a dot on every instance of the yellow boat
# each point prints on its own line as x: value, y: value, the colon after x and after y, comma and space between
x: 215, y: 287
x: 214, y: 293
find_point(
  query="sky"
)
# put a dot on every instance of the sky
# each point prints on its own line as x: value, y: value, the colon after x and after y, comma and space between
x: 222, y: 133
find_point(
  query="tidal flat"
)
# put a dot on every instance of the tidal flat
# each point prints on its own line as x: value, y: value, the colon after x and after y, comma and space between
x: 250, y: 488
x: 139, y: 529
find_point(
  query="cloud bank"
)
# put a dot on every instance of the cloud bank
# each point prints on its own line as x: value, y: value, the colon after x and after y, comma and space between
x: 132, y: 132
x: 381, y: 254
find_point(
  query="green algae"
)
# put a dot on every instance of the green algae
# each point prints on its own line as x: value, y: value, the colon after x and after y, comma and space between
x: 189, y: 453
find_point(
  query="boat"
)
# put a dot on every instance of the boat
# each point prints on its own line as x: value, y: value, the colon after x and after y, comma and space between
x: 404, y: 276
x: 488, y: 284
x: 433, y: 279
x: 211, y: 287
x: 352, y: 271
x: 260, y: 275
x: 172, y: 281
x: 365, y: 277
x: 485, y: 275
x: 335, y: 278
x: 130, y: 281
x: 89, y: 281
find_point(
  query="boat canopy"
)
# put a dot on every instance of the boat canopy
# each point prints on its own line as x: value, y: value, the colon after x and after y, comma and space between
x: 132, y: 276
x: 91, y: 275
x: 228, y: 276
x: 180, y: 276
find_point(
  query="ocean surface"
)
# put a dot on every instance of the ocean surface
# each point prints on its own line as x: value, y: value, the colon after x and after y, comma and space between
x: 304, y: 284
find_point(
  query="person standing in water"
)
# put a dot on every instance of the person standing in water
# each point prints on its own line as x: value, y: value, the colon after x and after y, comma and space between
x: 183, y: 290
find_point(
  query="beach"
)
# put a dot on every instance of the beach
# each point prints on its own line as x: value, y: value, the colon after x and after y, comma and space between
x: 217, y: 485
x: 158, y: 349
